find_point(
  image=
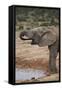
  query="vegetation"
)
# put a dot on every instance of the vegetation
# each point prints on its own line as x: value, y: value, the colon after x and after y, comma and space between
x: 27, y: 17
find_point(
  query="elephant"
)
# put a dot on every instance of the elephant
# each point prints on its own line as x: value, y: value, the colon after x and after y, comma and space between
x: 45, y: 36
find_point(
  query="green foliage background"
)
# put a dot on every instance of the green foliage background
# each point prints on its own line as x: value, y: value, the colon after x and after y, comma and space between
x: 29, y: 17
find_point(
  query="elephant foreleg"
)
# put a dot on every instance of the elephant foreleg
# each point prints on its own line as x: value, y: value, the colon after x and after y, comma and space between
x: 52, y: 60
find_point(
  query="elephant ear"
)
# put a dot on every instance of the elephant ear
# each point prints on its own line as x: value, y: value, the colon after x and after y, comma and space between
x: 48, y: 38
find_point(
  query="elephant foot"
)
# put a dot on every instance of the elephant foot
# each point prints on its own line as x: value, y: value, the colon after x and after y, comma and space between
x: 53, y: 71
x: 49, y: 72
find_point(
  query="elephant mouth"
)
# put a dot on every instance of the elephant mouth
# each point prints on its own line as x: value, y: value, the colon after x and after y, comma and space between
x: 32, y: 43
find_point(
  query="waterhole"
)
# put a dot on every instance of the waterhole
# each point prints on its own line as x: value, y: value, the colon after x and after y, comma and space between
x: 28, y: 74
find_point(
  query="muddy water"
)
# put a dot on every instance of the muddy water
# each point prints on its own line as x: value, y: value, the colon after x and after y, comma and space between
x: 28, y: 74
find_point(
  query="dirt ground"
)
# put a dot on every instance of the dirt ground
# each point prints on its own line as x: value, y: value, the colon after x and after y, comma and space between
x: 33, y: 56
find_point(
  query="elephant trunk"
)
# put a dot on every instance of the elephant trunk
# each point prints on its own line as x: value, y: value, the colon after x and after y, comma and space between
x: 23, y: 36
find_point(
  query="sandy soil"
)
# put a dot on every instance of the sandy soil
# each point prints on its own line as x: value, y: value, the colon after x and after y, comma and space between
x: 32, y: 56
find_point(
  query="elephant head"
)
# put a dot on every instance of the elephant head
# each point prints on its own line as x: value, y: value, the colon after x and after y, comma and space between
x: 40, y: 36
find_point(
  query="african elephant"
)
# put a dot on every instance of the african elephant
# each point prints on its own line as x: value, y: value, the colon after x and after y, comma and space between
x: 45, y: 36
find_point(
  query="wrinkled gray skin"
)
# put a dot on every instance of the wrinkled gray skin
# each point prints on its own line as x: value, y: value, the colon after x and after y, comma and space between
x: 45, y: 36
